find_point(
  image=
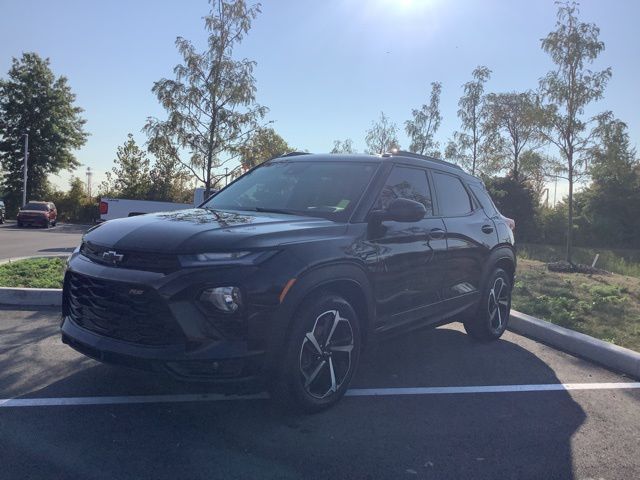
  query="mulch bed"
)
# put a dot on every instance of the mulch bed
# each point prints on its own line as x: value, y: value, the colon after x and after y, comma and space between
x: 566, y: 267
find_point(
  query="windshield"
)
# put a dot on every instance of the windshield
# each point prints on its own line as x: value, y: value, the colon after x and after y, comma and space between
x: 36, y: 206
x: 323, y: 189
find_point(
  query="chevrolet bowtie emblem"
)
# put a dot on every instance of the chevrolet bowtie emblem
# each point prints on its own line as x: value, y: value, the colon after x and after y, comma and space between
x: 112, y: 257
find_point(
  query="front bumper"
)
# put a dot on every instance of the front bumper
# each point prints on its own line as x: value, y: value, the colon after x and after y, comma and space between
x: 41, y: 221
x: 221, y: 362
x: 202, y: 351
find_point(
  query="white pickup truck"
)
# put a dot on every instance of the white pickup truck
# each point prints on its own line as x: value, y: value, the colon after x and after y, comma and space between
x: 111, y: 208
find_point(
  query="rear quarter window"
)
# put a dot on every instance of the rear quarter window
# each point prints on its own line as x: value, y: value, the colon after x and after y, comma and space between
x: 453, y: 198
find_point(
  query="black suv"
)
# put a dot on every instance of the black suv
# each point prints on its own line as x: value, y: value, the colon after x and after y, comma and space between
x: 289, y: 271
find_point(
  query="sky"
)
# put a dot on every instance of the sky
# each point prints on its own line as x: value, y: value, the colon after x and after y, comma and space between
x: 325, y: 69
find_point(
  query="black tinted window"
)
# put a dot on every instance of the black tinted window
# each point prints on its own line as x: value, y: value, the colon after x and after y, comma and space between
x: 485, y: 200
x: 453, y: 199
x: 410, y: 183
x: 36, y: 206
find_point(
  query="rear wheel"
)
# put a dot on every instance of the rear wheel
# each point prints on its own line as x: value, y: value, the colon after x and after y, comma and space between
x: 492, y: 316
x: 321, y: 355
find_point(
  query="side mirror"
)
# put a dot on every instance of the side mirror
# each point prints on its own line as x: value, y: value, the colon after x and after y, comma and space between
x: 404, y: 210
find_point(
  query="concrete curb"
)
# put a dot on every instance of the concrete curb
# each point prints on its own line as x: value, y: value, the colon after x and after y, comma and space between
x: 16, y: 259
x: 31, y: 297
x: 605, y: 353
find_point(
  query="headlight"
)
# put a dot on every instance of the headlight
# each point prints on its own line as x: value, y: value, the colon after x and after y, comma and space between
x: 225, y: 299
x: 223, y: 258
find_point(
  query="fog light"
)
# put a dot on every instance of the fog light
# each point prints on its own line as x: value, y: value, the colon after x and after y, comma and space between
x: 225, y: 299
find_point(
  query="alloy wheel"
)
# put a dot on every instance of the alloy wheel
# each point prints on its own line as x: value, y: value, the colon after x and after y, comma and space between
x: 498, y: 305
x: 325, y: 354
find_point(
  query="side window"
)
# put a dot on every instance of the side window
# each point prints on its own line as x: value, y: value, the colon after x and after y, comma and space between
x: 409, y: 183
x: 453, y: 198
x: 485, y: 200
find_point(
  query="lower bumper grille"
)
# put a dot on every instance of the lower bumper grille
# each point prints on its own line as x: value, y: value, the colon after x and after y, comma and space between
x: 120, y: 310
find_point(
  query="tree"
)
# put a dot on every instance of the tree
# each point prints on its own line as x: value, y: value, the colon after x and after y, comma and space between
x: 572, y: 46
x: 170, y: 180
x: 211, y: 106
x: 610, y: 206
x: 382, y: 137
x: 425, y: 123
x: 130, y: 177
x: 511, y: 120
x: 517, y: 200
x: 34, y: 101
x: 263, y: 145
x: 470, y: 146
x: 343, y: 146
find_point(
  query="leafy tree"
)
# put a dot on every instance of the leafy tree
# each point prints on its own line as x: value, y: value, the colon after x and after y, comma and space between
x: 263, y: 145
x: 170, y: 180
x: 130, y: 177
x: 511, y: 121
x: 211, y: 106
x: 470, y: 147
x: 382, y: 137
x: 516, y: 199
x: 34, y: 101
x: 74, y: 205
x: 607, y: 211
x: 567, y: 89
x: 343, y: 146
x: 425, y: 123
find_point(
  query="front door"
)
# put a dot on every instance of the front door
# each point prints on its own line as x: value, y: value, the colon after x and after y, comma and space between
x: 408, y: 274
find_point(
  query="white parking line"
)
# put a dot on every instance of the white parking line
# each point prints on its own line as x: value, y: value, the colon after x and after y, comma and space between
x: 356, y: 392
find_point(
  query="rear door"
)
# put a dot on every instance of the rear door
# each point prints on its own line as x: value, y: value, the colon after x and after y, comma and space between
x: 470, y: 237
x: 408, y: 274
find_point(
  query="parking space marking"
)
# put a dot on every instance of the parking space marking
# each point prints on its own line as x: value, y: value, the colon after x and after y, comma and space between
x: 356, y: 392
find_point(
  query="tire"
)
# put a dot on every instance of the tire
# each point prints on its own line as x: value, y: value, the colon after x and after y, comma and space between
x: 19, y: 224
x: 492, y: 317
x: 321, y: 355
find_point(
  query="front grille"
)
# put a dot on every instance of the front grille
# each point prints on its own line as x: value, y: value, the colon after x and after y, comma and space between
x: 120, y: 310
x: 150, y: 262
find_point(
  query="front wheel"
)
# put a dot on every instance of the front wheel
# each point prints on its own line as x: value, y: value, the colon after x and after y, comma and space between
x: 492, y: 316
x: 321, y: 355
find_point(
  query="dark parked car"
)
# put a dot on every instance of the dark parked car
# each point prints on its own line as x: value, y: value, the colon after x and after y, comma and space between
x: 2, y: 211
x: 288, y: 272
x: 43, y: 214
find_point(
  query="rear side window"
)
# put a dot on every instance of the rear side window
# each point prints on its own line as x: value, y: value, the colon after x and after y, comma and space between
x: 409, y: 183
x: 453, y: 198
x: 485, y: 200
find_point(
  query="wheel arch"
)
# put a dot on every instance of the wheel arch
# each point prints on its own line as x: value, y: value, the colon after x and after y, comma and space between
x: 348, y: 280
x: 502, y: 256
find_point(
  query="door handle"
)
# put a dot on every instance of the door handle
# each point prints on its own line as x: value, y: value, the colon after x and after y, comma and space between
x: 487, y: 229
x: 436, y: 234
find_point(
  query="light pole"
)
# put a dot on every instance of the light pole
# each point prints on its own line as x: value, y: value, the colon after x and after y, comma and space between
x: 24, y: 173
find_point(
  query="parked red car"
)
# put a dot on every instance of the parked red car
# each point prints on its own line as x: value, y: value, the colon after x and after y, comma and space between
x: 43, y: 214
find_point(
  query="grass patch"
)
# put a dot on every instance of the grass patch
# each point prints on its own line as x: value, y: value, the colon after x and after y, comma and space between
x: 33, y: 273
x: 603, y: 306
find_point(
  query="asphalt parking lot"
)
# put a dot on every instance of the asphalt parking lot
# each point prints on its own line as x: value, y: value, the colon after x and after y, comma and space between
x: 65, y: 416
x: 21, y: 242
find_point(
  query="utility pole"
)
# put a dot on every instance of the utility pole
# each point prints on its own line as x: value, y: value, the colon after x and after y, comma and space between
x: 24, y: 172
x: 89, y: 175
x: 226, y: 176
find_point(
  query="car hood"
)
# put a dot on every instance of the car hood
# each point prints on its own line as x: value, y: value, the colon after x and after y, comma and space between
x: 202, y: 230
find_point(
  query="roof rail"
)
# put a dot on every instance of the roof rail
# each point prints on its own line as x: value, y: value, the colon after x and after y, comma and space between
x: 293, y: 154
x: 402, y: 153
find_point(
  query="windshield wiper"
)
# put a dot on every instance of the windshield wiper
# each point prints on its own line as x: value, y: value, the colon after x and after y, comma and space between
x: 276, y: 210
